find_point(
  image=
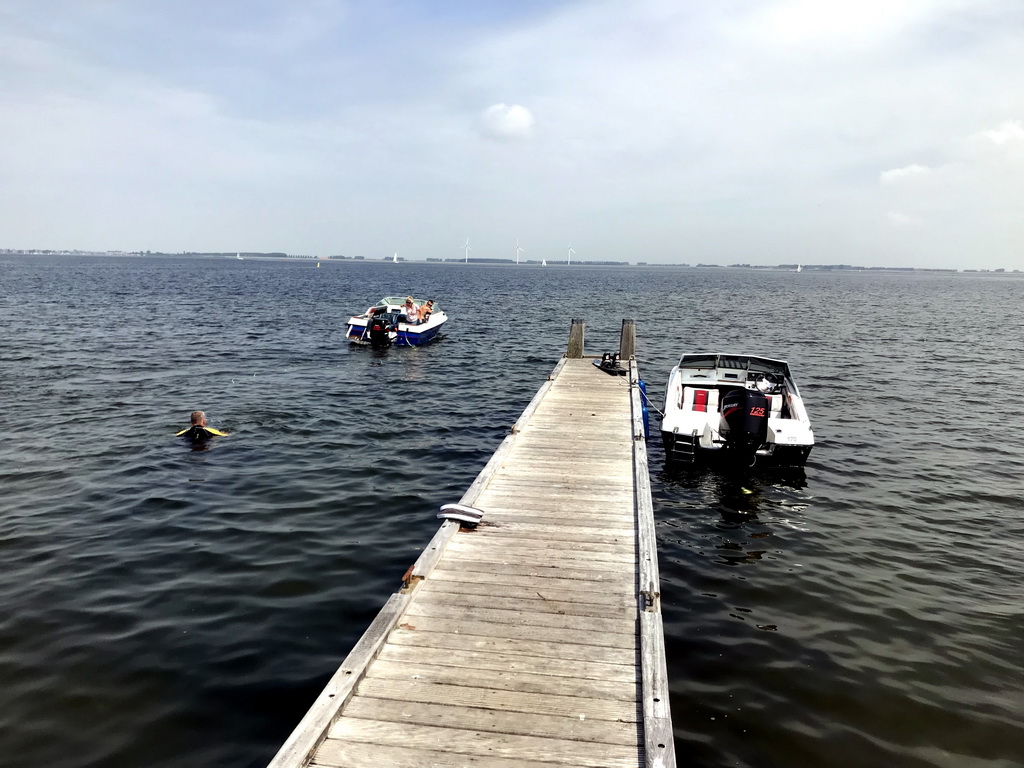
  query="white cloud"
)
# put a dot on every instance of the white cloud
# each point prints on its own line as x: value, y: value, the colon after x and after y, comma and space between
x: 967, y: 204
x: 504, y: 121
x: 840, y: 23
x: 897, y: 175
x: 899, y: 219
x: 1010, y: 132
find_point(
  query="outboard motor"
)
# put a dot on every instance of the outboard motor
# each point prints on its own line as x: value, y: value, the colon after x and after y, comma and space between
x: 379, y: 328
x: 746, y: 413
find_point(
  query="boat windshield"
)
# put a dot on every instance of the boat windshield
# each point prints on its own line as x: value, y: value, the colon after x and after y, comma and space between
x: 397, y: 301
x: 734, y: 362
x: 766, y: 366
x: 699, y: 361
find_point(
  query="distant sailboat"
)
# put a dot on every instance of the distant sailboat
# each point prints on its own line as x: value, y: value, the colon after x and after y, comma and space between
x: 543, y: 262
x: 394, y: 259
x: 239, y: 257
x: 799, y: 268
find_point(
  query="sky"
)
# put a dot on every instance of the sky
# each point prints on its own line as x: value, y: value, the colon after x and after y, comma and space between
x: 866, y: 132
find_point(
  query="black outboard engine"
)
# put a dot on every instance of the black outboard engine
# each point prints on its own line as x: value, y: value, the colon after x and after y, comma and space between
x: 746, y: 413
x: 379, y: 328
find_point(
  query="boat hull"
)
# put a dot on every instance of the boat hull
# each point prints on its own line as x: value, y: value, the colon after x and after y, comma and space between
x: 687, y: 449
x: 406, y: 336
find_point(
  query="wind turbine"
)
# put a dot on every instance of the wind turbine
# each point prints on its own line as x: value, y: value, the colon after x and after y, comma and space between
x: 467, y: 249
x: 518, y: 249
x: 568, y: 259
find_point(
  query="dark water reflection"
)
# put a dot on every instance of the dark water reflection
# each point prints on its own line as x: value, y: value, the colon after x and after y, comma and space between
x: 168, y: 607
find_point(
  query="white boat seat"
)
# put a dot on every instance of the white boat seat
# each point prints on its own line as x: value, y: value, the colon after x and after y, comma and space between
x: 776, y: 406
x: 713, y: 401
x: 686, y: 402
x: 703, y: 400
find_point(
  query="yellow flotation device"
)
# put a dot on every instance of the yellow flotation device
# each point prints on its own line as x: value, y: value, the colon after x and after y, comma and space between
x: 196, y: 432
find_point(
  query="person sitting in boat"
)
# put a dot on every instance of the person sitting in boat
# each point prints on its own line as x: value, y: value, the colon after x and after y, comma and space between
x: 410, y: 312
x: 426, y: 310
x: 199, y: 432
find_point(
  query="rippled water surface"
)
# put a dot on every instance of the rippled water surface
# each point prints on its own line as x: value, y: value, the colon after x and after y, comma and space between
x: 169, y: 607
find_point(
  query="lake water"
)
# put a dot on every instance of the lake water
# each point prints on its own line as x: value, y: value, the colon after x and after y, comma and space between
x: 166, y: 607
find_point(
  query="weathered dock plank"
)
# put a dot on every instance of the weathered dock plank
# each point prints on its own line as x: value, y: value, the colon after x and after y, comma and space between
x: 494, y: 719
x: 350, y: 754
x: 573, y: 669
x: 408, y: 693
x: 473, y: 626
x: 472, y: 577
x: 533, y: 639
x: 596, y: 626
x: 537, y: 602
x: 466, y: 741
x: 563, y: 649
x: 482, y: 569
x: 500, y: 680
x: 540, y: 552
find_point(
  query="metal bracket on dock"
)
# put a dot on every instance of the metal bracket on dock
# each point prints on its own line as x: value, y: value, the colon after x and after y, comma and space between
x: 650, y: 600
x: 410, y: 580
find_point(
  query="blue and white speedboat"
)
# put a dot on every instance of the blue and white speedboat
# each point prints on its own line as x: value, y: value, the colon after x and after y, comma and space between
x: 385, y: 324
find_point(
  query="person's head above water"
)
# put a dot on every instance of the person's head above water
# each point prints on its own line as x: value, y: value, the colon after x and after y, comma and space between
x: 199, y: 431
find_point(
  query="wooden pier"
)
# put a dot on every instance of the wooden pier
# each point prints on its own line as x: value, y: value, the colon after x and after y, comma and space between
x: 533, y: 640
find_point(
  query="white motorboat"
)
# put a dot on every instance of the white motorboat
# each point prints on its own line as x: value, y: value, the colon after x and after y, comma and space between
x: 385, y: 324
x: 741, y: 409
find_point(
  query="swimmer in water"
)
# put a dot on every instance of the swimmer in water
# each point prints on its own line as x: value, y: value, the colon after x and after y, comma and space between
x: 199, y: 431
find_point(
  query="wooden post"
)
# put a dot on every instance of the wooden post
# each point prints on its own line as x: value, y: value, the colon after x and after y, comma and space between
x: 575, y: 347
x: 627, y: 341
